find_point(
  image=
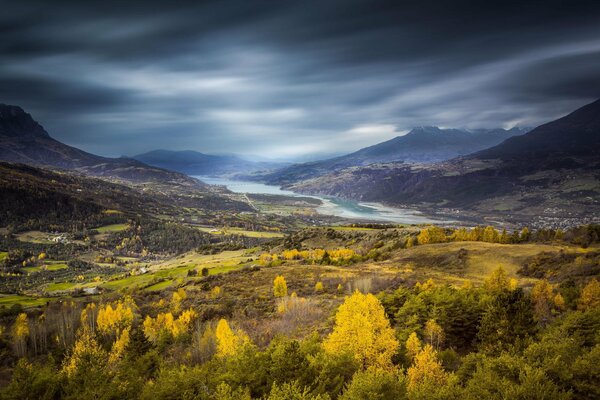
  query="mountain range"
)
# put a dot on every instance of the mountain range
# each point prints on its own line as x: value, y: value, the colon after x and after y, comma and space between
x: 23, y: 140
x: 552, y: 172
x: 194, y: 163
x: 421, y: 145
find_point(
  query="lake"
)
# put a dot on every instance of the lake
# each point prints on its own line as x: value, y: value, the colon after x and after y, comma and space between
x: 331, y: 205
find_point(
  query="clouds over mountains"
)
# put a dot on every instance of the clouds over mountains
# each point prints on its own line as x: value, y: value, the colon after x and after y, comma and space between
x: 288, y: 78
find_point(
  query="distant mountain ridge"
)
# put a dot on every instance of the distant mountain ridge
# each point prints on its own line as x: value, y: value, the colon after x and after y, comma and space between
x: 553, y: 171
x: 195, y: 163
x: 426, y: 144
x: 24, y: 140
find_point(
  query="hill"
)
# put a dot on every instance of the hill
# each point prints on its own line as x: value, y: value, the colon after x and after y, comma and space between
x: 24, y: 140
x: 421, y: 145
x: 194, y: 163
x: 549, y: 174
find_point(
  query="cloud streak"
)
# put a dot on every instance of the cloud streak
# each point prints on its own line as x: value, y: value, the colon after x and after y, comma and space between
x: 285, y: 79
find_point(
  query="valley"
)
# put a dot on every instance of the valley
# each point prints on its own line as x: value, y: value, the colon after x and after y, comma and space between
x: 218, y: 288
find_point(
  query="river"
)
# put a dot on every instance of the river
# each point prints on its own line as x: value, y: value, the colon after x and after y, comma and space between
x: 331, y: 205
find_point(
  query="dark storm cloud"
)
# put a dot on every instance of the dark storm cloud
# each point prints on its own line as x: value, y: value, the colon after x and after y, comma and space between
x: 282, y: 79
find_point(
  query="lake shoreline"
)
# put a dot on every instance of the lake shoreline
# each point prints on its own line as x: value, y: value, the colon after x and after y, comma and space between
x: 332, y: 206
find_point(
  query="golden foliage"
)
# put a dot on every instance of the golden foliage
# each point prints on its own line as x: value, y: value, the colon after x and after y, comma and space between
x: 177, y: 299
x: 279, y: 286
x: 111, y: 321
x: 413, y: 345
x: 559, y: 302
x: 21, y: 327
x: 362, y: 329
x: 498, y: 281
x: 119, y: 346
x: 85, y: 352
x: 89, y: 316
x: 432, y: 234
x: 434, y: 334
x: 319, y: 287
x: 165, y: 325
x: 425, y: 286
x: 229, y: 342
x: 216, y: 292
x: 426, y: 369
x: 590, y: 295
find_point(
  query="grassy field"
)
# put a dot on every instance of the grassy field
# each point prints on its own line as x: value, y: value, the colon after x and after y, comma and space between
x: 112, y: 228
x: 60, y: 286
x: 350, y: 228
x: 457, y: 262
x: 178, y: 267
x: 160, y: 285
x: 36, y: 237
x: 52, y: 266
x: 242, y: 232
x: 25, y: 301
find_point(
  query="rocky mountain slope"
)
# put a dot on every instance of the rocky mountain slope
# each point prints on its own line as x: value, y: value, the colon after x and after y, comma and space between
x: 552, y: 172
x: 23, y: 140
x: 420, y: 145
x: 195, y: 163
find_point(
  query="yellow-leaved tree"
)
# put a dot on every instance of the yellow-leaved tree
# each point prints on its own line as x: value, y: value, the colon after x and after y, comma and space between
x: 590, y: 295
x: 229, y: 342
x: 413, y: 346
x: 86, y: 355
x: 20, y: 334
x: 177, y: 299
x: 112, y: 320
x: 119, y: 347
x: 432, y: 234
x: 434, y: 334
x: 280, y: 286
x: 426, y: 370
x: 497, y: 282
x: 362, y: 329
x: 166, y: 326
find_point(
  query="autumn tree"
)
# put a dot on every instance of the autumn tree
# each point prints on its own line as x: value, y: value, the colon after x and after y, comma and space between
x: 229, y: 342
x: 432, y: 234
x: 20, y: 334
x: 177, y: 299
x: 497, y: 282
x: 490, y: 235
x: 86, y: 369
x: 590, y: 295
x: 165, y: 326
x: 362, y: 329
x: 525, y: 235
x: 119, y: 346
x: 434, y: 334
x: 413, y: 345
x: 426, y: 370
x: 111, y: 321
x: 504, y: 237
x: 542, y: 298
x: 280, y: 286
x: 89, y: 317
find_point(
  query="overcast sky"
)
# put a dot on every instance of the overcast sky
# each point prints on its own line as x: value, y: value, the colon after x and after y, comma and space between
x: 286, y: 79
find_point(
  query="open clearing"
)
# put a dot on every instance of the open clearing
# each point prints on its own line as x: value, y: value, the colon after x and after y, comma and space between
x: 242, y: 232
x: 456, y: 262
x: 37, y: 237
x: 49, y: 266
x: 25, y: 301
x: 112, y: 228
